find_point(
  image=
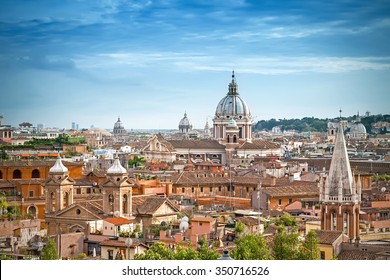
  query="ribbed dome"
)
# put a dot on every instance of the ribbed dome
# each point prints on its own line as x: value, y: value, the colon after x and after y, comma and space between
x: 185, y: 121
x: 358, y: 128
x: 58, y: 167
x: 118, y: 124
x: 185, y: 125
x: 118, y: 127
x: 232, y: 105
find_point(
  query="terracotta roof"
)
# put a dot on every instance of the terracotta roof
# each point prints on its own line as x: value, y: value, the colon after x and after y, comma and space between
x: 292, y: 190
x: 328, y: 236
x: 203, y: 219
x: 119, y: 243
x: 356, y: 255
x: 251, y: 221
x: 37, y: 163
x: 196, y: 144
x: 118, y: 221
x: 151, y: 205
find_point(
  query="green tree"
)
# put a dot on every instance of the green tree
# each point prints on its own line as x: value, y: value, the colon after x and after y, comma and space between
x: 185, y: 253
x: 251, y: 247
x: 206, y: 253
x: 286, y: 244
x: 49, y: 252
x: 137, y: 161
x: 239, y: 228
x: 309, y: 249
x: 286, y: 221
x: 158, y: 251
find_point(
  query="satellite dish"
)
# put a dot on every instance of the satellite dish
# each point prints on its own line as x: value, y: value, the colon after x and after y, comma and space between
x: 184, y: 219
x: 383, y: 189
x: 116, y: 214
x: 184, y: 224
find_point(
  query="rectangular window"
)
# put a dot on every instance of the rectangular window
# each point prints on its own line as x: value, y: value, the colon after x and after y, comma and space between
x: 88, y: 190
x: 182, y: 190
x: 78, y: 191
x: 322, y: 255
x: 220, y: 188
x: 192, y: 190
x: 31, y: 193
x: 211, y: 189
x: 289, y: 200
x: 110, y: 254
x: 280, y: 202
x: 201, y: 189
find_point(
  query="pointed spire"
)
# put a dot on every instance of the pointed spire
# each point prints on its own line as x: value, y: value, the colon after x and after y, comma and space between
x: 340, y: 175
x: 58, y: 166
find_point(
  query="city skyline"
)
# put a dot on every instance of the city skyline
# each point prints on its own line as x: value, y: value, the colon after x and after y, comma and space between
x: 149, y: 62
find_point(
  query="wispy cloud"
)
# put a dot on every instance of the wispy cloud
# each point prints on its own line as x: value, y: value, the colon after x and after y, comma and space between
x: 248, y: 64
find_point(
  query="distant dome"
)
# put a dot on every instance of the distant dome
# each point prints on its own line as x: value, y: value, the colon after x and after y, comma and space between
x: 185, y: 124
x: 358, y: 128
x: 232, y: 105
x: 118, y: 127
x: 58, y: 167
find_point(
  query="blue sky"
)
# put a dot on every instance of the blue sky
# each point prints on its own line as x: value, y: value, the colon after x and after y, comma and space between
x: 150, y: 61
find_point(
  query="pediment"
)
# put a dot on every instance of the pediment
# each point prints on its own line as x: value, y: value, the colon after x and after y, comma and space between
x: 78, y: 211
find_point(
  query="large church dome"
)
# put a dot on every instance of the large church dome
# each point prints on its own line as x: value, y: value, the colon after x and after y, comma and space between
x: 232, y: 112
x: 232, y: 105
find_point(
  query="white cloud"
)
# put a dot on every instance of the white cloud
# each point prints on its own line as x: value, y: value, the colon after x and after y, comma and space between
x: 275, y: 65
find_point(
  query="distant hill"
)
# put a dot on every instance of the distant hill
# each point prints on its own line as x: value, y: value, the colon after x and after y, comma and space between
x: 316, y: 124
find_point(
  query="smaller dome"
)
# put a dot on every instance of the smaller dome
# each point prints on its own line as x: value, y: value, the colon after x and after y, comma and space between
x: 118, y: 124
x: 185, y: 121
x: 116, y: 168
x: 58, y: 167
x: 185, y: 124
x: 358, y: 128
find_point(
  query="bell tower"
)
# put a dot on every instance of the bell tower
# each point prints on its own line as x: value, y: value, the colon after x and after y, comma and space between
x: 340, y: 195
x: 59, y: 188
x: 117, y: 191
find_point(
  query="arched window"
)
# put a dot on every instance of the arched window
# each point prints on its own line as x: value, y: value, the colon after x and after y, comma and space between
x: 53, y: 201
x: 333, y: 220
x: 17, y: 174
x: 234, y: 138
x: 228, y: 138
x: 124, y: 204
x: 111, y: 203
x: 32, y: 211
x: 66, y: 200
x: 35, y: 174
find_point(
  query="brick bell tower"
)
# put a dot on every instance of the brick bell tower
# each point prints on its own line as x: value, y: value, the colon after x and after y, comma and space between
x: 340, y: 195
